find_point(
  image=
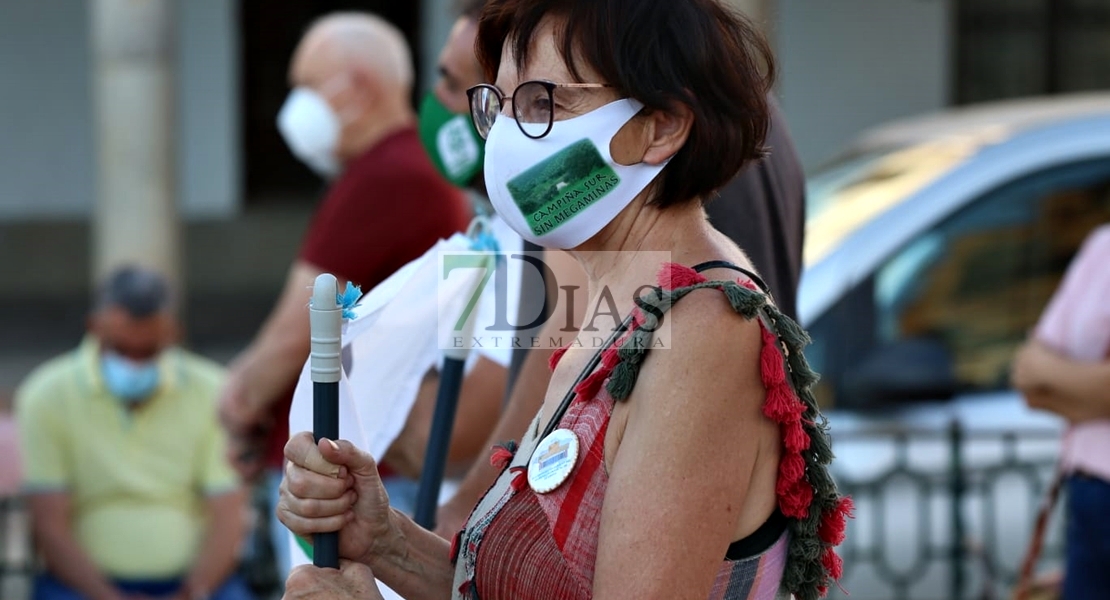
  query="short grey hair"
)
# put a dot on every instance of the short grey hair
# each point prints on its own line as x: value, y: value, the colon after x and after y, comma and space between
x: 140, y: 291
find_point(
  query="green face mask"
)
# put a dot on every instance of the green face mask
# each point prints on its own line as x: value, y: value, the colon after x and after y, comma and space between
x: 454, y: 146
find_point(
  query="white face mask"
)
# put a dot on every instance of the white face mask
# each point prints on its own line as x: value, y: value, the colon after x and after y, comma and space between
x: 311, y: 129
x: 562, y: 189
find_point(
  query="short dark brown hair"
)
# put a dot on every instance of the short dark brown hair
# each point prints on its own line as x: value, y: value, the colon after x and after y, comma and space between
x: 663, y: 53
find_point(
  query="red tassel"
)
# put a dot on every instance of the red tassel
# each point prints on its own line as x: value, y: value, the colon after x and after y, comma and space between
x: 794, y: 436
x: 781, y: 406
x: 464, y: 589
x: 794, y: 498
x: 590, y: 386
x: 674, y: 276
x: 832, y: 527
x: 792, y: 467
x: 833, y: 563
x: 455, y: 546
x: 834, y: 522
x: 770, y: 361
x: 556, y: 356
x: 748, y: 283
x: 500, y: 458
x: 847, y: 507
x: 520, y: 478
x: 610, y: 359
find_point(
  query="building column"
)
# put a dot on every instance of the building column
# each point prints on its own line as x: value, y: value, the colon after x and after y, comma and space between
x: 135, y: 217
x: 436, y: 19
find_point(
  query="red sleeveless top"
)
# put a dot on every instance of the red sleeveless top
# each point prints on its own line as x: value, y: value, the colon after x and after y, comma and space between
x: 522, y: 545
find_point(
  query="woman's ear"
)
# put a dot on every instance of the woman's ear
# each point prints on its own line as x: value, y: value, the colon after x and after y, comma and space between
x: 653, y: 136
x: 667, y: 132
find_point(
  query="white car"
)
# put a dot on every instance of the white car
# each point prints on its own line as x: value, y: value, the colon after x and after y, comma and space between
x: 932, y: 246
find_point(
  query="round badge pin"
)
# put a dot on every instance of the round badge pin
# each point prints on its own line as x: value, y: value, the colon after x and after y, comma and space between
x: 553, y: 461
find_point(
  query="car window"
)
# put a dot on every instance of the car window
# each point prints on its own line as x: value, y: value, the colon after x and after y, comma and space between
x: 973, y: 285
x: 850, y: 192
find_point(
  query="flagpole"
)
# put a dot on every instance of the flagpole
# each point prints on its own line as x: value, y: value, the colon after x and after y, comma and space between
x: 443, y: 421
x: 435, y: 458
x: 325, y: 320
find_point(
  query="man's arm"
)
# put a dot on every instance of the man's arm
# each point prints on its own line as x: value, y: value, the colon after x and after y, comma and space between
x: 262, y: 372
x: 1078, y: 391
x: 65, y: 559
x: 478, y: 407
x: 219, y: 553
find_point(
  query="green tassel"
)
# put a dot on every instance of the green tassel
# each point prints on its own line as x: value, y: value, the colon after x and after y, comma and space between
x: 622, y: 380
x: 822, y: 481
x: 801, y: 376
x: 809, y: 548
x: 789, y: 329
x: 820, y: 445
x: 636, y: 348
x: 744, y: 301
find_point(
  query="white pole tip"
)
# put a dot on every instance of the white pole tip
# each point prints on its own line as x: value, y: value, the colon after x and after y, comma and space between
x: 324, y: 292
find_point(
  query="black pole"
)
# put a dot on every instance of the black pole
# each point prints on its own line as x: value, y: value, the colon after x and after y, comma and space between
x: 326, y: 368
x: 439, y: 441
x: 325, y: 425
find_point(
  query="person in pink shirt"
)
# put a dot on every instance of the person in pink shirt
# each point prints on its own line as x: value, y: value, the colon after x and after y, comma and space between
x: 1064, y: 369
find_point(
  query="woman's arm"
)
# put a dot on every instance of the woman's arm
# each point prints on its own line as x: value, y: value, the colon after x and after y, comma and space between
x: 1077, y: 391
x: 695, y: 437
x: 418, y: 565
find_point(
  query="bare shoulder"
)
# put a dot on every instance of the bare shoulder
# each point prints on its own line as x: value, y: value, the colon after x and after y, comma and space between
x: 704, y: 323
x: 705, y: 349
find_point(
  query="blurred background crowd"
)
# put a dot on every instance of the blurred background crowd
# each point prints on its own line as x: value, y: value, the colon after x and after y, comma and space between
x: 957, y: 160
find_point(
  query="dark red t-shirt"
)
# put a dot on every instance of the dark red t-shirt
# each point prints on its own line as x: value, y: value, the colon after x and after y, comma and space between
x: 387, y: 209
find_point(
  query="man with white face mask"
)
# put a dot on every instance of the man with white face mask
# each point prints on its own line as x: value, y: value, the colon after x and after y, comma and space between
x: 130, y: 492
x: 349, y: 118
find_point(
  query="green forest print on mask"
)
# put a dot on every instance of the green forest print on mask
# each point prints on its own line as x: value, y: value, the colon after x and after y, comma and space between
x: 561, y: 186
x: 562, y: 189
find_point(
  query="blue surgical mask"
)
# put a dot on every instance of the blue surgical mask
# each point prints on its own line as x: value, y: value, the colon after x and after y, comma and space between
x: 129, y: 381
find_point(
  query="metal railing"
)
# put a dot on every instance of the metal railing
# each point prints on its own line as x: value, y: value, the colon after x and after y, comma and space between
x: 948, y: 514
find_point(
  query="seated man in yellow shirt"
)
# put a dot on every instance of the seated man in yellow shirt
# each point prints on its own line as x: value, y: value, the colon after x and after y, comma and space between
x: 129, y: 490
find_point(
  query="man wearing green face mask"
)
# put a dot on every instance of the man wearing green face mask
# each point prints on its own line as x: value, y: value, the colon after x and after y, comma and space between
x: 446, y: 131
x: 456, y: 151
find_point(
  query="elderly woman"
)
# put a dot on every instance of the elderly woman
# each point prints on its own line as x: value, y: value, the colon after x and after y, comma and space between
x: 695, y: 471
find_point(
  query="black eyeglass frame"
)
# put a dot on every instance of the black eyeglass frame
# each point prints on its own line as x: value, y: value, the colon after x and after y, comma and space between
x: 550, y: 86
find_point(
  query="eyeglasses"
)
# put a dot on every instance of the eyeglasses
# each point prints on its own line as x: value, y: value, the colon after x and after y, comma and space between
x: 533, y: 105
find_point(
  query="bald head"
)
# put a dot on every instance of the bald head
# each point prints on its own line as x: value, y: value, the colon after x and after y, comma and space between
x: 342, y: 43
x: 361, y: 66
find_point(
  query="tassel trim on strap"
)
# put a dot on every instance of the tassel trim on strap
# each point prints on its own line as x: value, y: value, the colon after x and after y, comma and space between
x: 805, y: 490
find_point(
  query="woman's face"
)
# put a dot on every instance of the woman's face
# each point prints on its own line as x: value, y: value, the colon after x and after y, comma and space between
x: 545, y: 63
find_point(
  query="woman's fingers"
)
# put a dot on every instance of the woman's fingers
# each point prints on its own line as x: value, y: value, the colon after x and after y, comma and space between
x: 314, y: 508
x: 291, y: 515
x: 304, y: 452
x: 303, y: 483
x: 356, y: 461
